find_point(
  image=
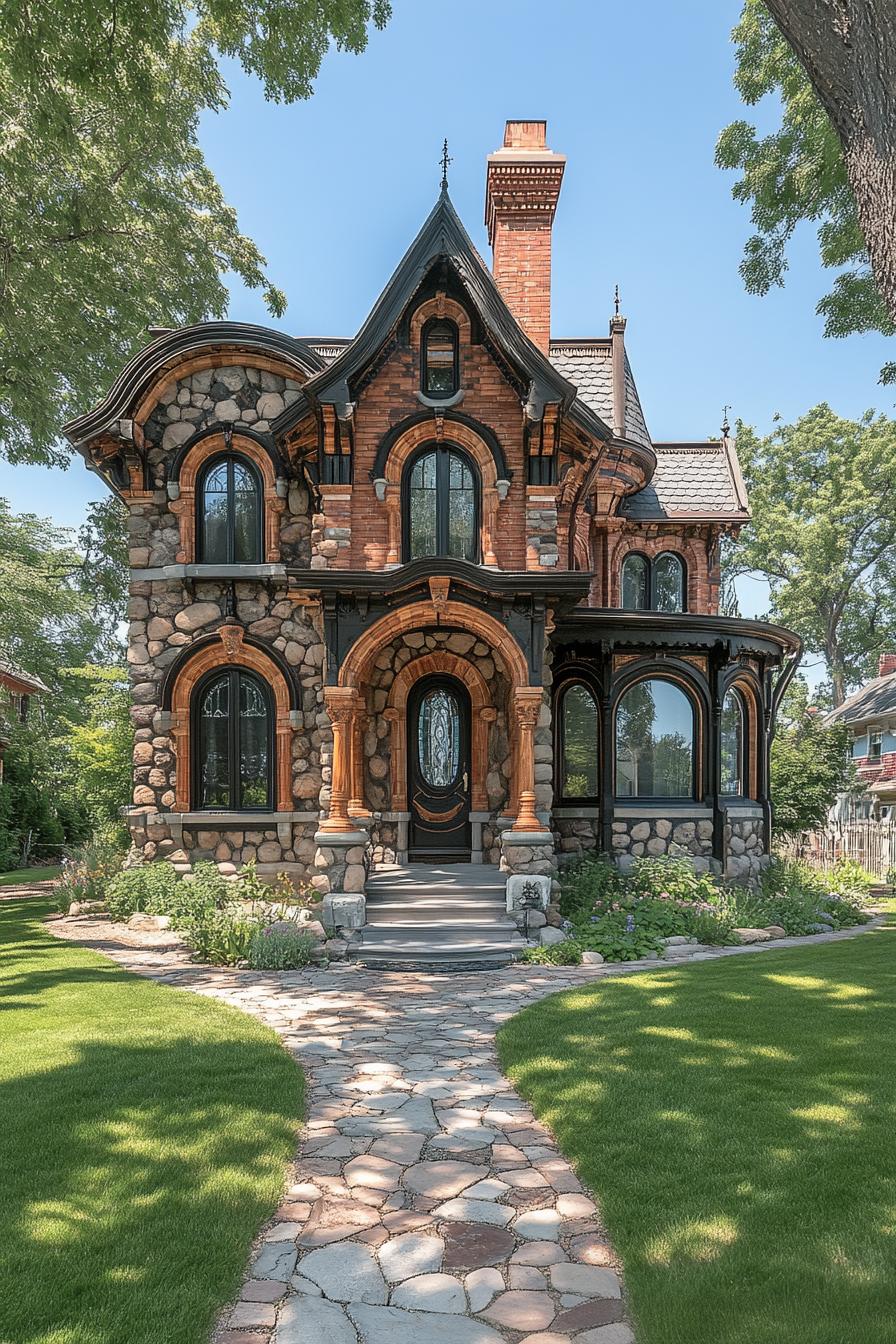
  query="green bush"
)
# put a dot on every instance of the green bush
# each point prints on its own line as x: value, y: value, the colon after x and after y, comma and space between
x: 279, y: 948
x: 584, y: 886
x: 89, y: 869
x: 220, y: 936
x: 619, y: 936
x: 148, y: 887
x: 556, y: 954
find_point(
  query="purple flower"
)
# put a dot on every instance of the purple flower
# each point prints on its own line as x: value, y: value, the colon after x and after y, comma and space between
x: 629, y: 923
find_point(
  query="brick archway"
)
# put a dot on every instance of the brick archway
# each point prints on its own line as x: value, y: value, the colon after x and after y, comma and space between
x: 230, y: 651
x: 453, y: 665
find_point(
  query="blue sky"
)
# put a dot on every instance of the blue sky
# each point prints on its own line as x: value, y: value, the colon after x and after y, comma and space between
x: 333, y: 190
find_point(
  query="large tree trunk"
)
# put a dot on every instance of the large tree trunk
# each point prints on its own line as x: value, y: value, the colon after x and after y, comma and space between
x: 848, y: 50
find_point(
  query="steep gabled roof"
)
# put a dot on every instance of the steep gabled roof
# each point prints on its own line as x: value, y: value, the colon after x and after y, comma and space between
x: 588, y: 364
x: 696, y: 482
x: 875, y: 700
x: 444, y: 236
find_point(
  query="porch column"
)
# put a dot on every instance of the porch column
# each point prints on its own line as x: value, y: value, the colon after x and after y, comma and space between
x: 356, y: 806
x: 341, y: 702
x: 526, y: 707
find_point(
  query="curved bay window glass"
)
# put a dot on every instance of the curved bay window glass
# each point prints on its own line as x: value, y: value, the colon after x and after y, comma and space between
x: 442, y: 506
x: 731, y: 739
x: 438, y: 737
x: 654, y: 742
x: 439, y: 363
x: 230, y: 512
x: 578, y: 743
x: 233, y: 742
x: 668, y: 582
x: 635, y: 583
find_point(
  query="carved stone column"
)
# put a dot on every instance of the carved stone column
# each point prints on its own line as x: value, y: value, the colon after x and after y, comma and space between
x: 356, y: 806
x: 526, y: 707
x: 341, y: 702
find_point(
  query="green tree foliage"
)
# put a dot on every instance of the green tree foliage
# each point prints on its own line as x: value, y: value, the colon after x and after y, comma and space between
x: 95, y: 745
x: 110, y: 219
x: 810, y: 764
x: 797, y: 173
x: 823, y: 531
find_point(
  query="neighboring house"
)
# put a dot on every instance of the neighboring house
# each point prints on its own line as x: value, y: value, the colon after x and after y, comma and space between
x: 870, y: 714
x: 432, y: 593
x: 16, y: 689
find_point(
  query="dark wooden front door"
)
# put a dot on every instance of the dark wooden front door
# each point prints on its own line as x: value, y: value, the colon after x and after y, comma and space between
x: 439, y: 771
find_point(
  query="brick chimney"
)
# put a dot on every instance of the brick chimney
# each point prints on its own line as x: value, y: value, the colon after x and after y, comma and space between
x: 521, y: 189
x: 886, y: 664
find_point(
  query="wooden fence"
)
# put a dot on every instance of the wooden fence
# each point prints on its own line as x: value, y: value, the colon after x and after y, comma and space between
x: 870, y: 843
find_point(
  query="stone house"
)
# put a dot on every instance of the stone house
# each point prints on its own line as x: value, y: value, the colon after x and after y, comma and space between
x: 432, y: 594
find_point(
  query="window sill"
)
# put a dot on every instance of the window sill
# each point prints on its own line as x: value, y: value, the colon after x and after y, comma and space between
x: 441, y: 403
x: 209, y: 572
x: 659, y: 807
x: 230, y: 820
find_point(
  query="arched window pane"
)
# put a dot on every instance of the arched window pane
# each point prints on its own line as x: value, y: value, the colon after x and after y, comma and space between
x: 668, y: 583
x: 438, y: 738
x: 579, y: 743
x: 461, y: 509
x: 654, y: 742
x: 214, y: 744
x: 230, y: 514
x: 634, y: 583
x: 440, y: 360
x: 424, y: 507
x: 254, y: 737
x: 732, y: 744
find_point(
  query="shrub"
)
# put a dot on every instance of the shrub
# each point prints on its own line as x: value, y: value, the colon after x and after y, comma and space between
x: 619, y: 936
x: 586, y: 885
x: 88, y: 870
x: 145, y: 888
x: 279, y: 948
x: 849, y: 879
x: 220, y: 936
x: 555, y: 954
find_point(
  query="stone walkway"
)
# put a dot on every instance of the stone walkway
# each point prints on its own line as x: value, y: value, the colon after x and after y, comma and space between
x: 428, y: 1206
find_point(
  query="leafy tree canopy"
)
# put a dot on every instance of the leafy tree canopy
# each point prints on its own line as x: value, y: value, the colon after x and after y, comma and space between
x: 797, y: 173
x: 110, y: 219
x: 823, y: 531
x: 810, y: 764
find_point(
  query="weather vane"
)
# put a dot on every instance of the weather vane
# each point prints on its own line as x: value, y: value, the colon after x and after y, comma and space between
x: 446, y: 159
x: 616, y: 300
x: 725, y: 425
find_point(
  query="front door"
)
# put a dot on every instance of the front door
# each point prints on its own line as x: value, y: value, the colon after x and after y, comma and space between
x: 439, y: 771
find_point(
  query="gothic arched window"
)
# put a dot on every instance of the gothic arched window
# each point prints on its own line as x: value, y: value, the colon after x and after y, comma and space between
x: 636, y: 582
x: 441, y: 505
x: 668, y: 582
x: 233, y: 742
x: 230, y: 512
x: 439, y: 359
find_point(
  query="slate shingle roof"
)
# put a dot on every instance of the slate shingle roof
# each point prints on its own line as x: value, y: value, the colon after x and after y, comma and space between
x: 588, y: 365
x: 871, y: 701
x: 691, y: 481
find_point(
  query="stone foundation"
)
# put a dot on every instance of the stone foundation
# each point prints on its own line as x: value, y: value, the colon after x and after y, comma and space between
x: 653, y: 837
x: 745, y: 856
x: 275, y: 846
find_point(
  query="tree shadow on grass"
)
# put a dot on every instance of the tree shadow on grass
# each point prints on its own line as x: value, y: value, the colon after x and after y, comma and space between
x: 736, y: 1120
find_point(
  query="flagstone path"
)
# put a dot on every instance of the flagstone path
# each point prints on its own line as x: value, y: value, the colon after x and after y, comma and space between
x: 428, y: 1206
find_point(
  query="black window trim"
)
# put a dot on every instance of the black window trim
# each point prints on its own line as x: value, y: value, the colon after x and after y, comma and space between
x: 743, y: 759
x: 443, y: 452
x: 689, y: 800
x: 425, y: 331
x: 208, y: 467
x: 235, y: 672
x: 651, y: 561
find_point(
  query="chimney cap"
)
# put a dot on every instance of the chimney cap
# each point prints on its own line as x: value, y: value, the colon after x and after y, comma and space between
x: 525, y: 135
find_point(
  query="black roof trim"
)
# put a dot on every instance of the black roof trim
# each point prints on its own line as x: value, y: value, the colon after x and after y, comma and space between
x: 443, y: 236
x: 674, y: 629
x: 139, y: 373
x: 563, y: 587
x: 487, y: 435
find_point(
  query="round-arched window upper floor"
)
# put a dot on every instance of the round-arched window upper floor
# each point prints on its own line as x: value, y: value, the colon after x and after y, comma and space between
x: 655, y: 742
x: 659, y: 584
x: 439, y: 359
x: 732, y: 745
x: 441, y: 505
x: 578, y: 763
x: 232, y: 729
x: 230, y: 512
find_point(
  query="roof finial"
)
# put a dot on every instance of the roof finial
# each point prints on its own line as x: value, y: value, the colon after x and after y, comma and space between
x: 446, y: 159
x: 616, y: 300
x: 726, y: 428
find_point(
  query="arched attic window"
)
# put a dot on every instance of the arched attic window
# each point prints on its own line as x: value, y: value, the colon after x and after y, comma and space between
x: 655, y: 742
x: 654, y: 585
x: 441, y: 504
x: 668, y: 582
x: 636, y: 582
x: 439, y: 359
x: 229, y: 504
x: 731, y: 744
x: 233, y: 733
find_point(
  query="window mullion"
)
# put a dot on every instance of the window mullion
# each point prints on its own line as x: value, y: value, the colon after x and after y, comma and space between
x: 233, y: 738
x: 442, y: 501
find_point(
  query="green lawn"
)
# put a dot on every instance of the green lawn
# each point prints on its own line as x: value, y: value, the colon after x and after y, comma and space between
x: 737, y: 1119
x: 144, y: 1135
x: 28, y: 875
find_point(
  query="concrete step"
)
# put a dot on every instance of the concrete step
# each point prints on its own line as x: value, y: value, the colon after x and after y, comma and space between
x: 451, y: 912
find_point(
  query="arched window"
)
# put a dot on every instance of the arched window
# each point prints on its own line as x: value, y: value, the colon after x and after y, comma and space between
x: 578, y: 743
x: 439, y: 359
x: 668, y: 583
x: 232, y: 730
x: 731, y: 741
x: 655, y: 742
x: 230, y: 510
x: 635, y: 582
x: 442, y: 505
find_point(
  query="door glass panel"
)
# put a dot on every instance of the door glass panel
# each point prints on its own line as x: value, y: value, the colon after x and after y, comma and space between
x: 214, y: 516
x: 579, y: 744
x: 245, y: 516
x: 424, y: 499
x: 214, y: 745
x: 253, y: 744
x: 438, y: 738
x: 461, y: 510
